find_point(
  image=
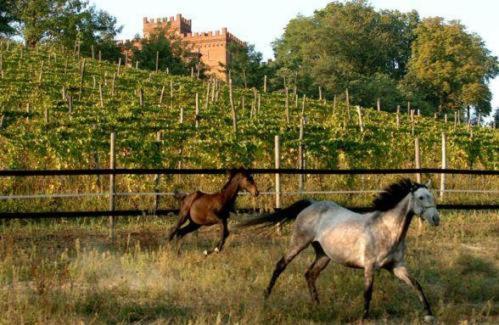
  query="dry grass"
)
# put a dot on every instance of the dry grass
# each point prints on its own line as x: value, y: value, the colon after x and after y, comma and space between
x: 68, y: 271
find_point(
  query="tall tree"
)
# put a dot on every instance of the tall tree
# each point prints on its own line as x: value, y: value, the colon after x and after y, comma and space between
x: 171, y: 52
x: 68, y: 22
x: 245, y: 66
x: 451, y: 67
x: 7, y: 17
x: 347, y: 45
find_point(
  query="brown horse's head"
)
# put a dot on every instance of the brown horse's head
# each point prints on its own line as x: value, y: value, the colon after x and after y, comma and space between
x: 245, y: 180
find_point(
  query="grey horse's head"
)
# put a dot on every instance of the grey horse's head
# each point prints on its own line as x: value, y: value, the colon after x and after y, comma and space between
x: 424, y: 204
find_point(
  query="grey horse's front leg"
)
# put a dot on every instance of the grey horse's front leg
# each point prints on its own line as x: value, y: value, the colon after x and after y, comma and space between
x: 368, y: 288
x: 402, y: 273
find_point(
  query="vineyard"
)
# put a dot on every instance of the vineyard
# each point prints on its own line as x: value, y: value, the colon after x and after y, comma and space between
x: 58, y: 110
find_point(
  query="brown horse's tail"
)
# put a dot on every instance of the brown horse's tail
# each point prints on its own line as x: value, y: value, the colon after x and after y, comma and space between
x: 280, y: 216
x: 179, y: 195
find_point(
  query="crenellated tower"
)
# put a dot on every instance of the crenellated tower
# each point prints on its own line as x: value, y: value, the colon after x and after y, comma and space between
x: 212, y: 46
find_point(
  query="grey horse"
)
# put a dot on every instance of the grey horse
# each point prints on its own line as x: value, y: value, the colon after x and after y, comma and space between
x: 369, y: 241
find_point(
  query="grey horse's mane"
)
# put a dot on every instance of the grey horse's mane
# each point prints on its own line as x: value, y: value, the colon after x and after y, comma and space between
x: 394, y: 193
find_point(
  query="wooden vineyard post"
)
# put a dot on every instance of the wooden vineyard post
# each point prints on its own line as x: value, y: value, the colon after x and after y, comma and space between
x: 334, y: 104
x: 101, y: 96
x: 119, y: 67
x: 320, y: 93
x: 265, y: 84
x: 181, y: 117
x: 70, y: 103
x: 157, y: 177
x: 417, y: 162
x: 301, y: 161
x: 112, y: 185
x: 197, y: 110
x: 444, y: 166
x: 233, y: 109
x: 157, y: 61
x: 417, y: 158
x: 348, y: 104
x: 378, y: 104
x: 277, y: 151
x: 398, y: 116
x: 361, y: 123
x: 161, y: 95
x: 287, y: 105
x: 141, y: 97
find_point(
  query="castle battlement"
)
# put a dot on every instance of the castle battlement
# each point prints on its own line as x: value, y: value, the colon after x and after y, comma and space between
x: 212, y: 45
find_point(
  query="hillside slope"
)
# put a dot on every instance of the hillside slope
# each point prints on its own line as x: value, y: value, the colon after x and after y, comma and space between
x: 38, y: 131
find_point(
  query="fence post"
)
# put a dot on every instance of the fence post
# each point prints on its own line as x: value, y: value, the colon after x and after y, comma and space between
x: 301, y: 155
x: 277, y: 151
x: 444, y: 165
x: 378, y: 104
x: 112, y: 166
x: 417, y: 158
x: 265, y: 84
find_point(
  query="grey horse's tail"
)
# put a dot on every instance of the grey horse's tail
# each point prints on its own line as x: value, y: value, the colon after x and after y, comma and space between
x: 280, y: 216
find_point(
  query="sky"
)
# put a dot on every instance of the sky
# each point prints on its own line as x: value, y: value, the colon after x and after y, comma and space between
x: 260, y: 22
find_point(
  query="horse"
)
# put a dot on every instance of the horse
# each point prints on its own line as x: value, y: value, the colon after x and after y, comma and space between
x: 369, y: 241
x: 203, y: 209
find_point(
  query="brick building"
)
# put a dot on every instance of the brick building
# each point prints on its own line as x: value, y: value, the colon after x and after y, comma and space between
x: 212, y: 46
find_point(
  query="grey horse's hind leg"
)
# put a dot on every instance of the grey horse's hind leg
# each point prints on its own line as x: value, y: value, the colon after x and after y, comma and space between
x: 368, y: 288
x: 319, y: 264
x: 402, y: 273
x: 299, y: 243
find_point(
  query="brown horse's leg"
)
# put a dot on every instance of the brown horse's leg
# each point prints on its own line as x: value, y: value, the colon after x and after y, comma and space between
x: 224, y: 233
x: 187, y: 229
x: 174, y: 231
x: 319, y: 264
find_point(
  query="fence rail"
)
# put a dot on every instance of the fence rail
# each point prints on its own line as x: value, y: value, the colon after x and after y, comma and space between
x: 111, y: 172
x: 220, y: 171
x: 164, y: 212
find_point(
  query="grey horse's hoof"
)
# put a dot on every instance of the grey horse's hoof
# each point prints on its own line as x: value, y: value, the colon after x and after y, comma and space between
x: 429, y: 319
x: 205, y: 252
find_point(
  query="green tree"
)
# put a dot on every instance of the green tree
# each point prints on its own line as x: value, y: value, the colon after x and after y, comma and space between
x: 68, y: 22
x: 245, y: 66
x: 171, y: 51
x: 7, y: 17
x: 450, y: 68
x: 347, y: 45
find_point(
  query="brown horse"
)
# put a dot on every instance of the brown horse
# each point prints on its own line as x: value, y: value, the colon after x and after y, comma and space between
x: 202, y: 209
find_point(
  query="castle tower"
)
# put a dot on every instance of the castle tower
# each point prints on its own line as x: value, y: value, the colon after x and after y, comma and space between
x: 213, y: 46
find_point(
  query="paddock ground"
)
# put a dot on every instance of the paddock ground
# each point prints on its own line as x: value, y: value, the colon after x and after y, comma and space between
x: 68, y: 271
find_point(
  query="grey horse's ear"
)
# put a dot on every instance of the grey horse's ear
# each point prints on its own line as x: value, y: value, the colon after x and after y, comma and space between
x: 428, y: 184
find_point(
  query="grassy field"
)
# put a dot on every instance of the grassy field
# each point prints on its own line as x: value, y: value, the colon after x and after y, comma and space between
x: 69, y: 272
